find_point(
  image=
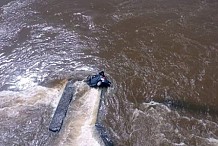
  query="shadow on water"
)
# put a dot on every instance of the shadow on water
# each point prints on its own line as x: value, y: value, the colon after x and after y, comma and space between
x: 181, y: 105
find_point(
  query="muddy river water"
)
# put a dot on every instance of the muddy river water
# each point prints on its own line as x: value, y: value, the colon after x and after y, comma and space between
x: 161, y: 56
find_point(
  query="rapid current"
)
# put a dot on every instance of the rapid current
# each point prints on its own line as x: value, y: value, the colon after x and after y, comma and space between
x: 161, y: 56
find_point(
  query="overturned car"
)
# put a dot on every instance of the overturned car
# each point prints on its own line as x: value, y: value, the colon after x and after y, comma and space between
x: 98, y: 80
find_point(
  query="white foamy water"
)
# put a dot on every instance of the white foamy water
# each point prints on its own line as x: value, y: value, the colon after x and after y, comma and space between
x: 79, y: 125
x: 213, y: 141
x: 25, y: 115
x: 79, y: 129
x: 33, y: 96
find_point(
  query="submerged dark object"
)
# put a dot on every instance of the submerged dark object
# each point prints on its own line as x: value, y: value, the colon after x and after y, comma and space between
x: 99, y: 127
x: 62, y: 107
x: 103, y: 134
x: 98, y: 80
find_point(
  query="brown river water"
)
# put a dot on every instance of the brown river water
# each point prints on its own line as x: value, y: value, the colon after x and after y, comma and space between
x: 161, y: 56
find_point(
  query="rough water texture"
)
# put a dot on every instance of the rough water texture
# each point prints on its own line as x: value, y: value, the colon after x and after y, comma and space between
x: 161, y: 55
x: 79, y: 124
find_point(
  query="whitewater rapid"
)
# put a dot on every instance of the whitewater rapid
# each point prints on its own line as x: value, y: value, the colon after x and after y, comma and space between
x: 79, y: 125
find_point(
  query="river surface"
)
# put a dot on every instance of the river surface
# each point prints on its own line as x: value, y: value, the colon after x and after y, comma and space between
x: 161, y: 56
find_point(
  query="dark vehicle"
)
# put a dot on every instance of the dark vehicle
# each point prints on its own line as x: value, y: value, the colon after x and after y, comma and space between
x: 98, y: 80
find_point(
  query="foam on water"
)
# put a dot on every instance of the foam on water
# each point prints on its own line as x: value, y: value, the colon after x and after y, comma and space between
x: 79, y: 125
x: 79, y: 129
x: 213, y: 141
x: 26, y: 114
x: 32, y: 96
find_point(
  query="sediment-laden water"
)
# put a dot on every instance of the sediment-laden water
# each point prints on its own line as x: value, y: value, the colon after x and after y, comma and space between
x: 161, y: 55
